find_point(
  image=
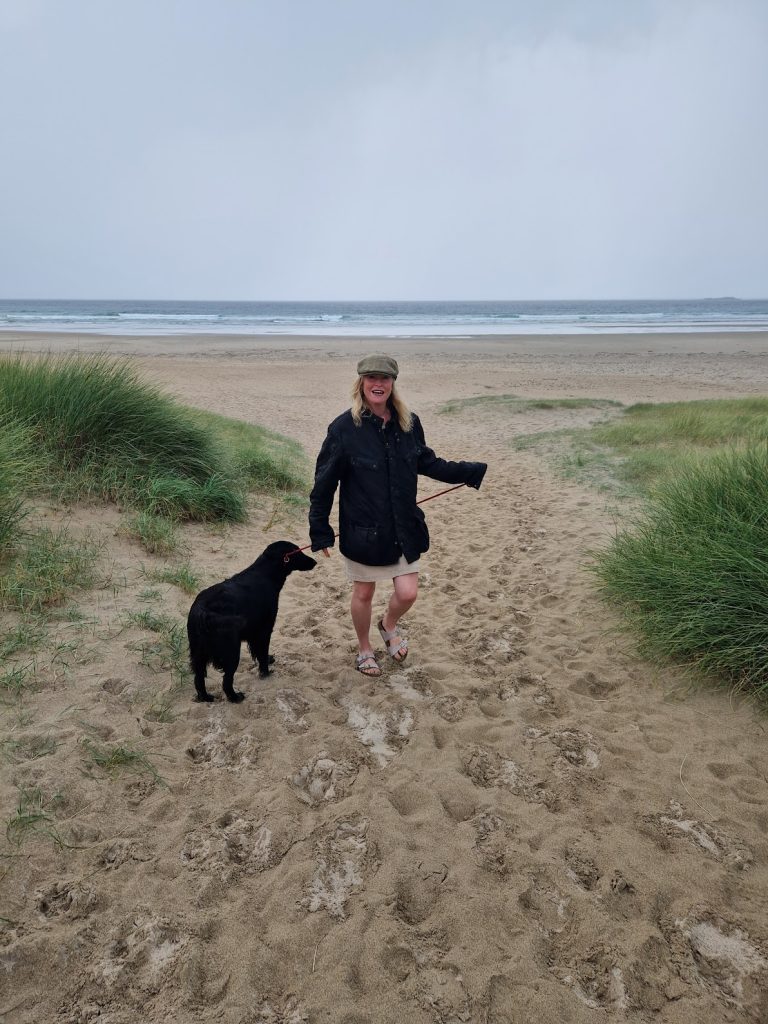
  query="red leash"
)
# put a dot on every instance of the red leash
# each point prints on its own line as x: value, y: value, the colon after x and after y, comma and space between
x: 429, y: 498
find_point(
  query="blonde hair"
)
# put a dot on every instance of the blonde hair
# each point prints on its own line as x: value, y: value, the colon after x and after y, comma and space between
x: 401, y: 410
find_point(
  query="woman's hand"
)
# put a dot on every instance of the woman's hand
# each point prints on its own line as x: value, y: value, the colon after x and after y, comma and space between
x: 326, y: 552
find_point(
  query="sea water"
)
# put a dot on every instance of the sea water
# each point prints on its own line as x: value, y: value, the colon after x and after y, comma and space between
x: 384, y: 319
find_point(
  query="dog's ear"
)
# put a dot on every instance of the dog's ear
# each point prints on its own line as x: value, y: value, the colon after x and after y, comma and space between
x: 278, y: 549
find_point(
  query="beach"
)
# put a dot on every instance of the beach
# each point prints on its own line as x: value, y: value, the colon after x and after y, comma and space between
x: 525, y: 821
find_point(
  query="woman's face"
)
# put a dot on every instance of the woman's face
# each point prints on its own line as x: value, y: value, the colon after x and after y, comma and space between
x: 377, y: 387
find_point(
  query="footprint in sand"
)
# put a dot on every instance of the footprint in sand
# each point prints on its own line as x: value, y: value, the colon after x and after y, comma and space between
x: 342, y: 856
x: 124, y: 851
x: 66, y: 899
x: 713, y: 841
x: 140, y: 957
x: 428, y: 979
x: 546, y: 904
x: 410, y: 684
x: 488, y: 648
x: 590, y: 685
x: 383, y: 733
x: 293, y: 708
x: 487, y: 768
x: 222, y: 749
x: 450, y: 708
x: 744, y: 783
x: 271, y: 1012
x: 322, y: 780
x: 724, y: 960
x: 493, y: 844
x: 236, y: 845
x: 596, y: 979
x: 576, y: 749
x: 581, y: 869
x: 418, y: 890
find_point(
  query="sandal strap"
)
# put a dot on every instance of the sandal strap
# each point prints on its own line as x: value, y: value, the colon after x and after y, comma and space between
x: 372, y: 669
x: 388, y: 635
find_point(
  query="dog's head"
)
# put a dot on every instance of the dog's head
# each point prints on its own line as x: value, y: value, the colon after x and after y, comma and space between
x: 288, y: 555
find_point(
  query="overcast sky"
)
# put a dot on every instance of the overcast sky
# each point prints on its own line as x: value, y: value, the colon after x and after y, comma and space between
x: 363, y: 149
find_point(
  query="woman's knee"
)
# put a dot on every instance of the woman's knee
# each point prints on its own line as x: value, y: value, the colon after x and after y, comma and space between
x: 407, y: 587
x: 363, y: 592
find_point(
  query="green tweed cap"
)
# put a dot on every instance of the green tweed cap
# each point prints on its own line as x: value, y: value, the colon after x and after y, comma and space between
x: 378, y: 364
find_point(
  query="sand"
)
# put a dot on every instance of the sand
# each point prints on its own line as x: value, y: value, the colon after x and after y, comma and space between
x: 526, y: 821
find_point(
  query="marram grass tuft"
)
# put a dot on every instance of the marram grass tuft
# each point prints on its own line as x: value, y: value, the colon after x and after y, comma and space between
x: 691, y: 572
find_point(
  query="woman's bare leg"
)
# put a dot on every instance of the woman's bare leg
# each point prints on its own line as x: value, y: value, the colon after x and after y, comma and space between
x: 403, y: 597
x: 362, y: 598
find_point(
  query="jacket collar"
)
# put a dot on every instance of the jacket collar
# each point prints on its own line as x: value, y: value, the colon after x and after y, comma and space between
x: 377, y: 421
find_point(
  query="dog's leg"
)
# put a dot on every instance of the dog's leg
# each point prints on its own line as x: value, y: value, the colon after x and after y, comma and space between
x: 232, y: 695
x: 229, y: 667
x: 258, y: 644
x: 259, y: 648
x: 202, y: 693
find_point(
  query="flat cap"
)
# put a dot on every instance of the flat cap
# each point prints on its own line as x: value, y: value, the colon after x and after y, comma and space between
x: 378, y: 364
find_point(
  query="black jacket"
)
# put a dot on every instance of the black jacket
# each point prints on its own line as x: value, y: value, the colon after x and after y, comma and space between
x: 377, y: 465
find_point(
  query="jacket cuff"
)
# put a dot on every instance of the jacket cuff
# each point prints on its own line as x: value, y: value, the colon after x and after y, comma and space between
x: 318, y: 545
x: 477, y: 474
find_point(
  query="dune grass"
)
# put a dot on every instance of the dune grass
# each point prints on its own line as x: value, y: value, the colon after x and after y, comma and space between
x: 262, y: 459
x: 112, y: 760
x: 33, y: 817
x: 98, y: 430
x: 104, y: 432
x: 181, y: 575
x: 632, y: 453
x: 46, y: 568
x: 655, y: 442
x: 690, y: 573
x: 156, y: 534
x: 20, y: 467
x: 515, y: 404
x: 75, y: 428
x: 168, y: 652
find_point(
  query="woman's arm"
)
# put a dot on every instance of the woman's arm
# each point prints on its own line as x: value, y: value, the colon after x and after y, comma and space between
x: 469, y: 473
x: 327, y: 476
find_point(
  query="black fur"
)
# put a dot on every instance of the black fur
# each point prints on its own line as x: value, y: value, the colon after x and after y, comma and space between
x: 242, y: 608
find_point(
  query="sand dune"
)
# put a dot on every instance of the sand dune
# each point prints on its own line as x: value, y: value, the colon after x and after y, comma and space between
x: 525, y: 821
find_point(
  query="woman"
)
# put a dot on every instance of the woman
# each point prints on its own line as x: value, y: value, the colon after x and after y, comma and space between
x: 376, y: 451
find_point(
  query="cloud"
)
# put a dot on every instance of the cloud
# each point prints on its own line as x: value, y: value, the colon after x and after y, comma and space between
x: 345, y: 150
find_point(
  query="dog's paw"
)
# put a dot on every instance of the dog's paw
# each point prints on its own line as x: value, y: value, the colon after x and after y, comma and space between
x: 204, y: 698
x: 264, y: 672
x: 270, y: 659
x: 235, y: 697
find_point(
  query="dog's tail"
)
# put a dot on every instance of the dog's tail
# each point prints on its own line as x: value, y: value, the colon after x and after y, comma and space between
x: 196, y: 631
x: 203, y: 628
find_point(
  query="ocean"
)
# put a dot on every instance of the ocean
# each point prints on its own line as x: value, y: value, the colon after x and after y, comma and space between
x: 384, y: 319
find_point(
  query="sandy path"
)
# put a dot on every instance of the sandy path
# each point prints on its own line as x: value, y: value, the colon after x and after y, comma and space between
x: 527, y: 822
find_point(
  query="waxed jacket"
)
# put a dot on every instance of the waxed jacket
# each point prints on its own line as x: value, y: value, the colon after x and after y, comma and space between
x: 377, y: 466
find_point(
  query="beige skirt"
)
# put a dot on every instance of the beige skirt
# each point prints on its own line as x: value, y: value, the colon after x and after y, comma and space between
x: 359, y: 573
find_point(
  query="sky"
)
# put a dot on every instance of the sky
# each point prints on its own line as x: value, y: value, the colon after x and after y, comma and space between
x: 361, y: 149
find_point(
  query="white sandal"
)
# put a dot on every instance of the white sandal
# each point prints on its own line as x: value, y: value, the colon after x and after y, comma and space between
x: 364, y: 668
x: 397, y: 647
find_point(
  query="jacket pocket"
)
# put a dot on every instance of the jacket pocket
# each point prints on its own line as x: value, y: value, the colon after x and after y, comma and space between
x: 364, y: 534
x: 364, y: 463
x: 369, y: 544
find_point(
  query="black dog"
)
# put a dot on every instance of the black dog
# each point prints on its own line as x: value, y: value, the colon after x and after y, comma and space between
x: 244, y: 607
